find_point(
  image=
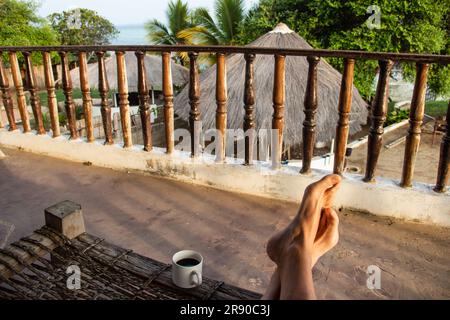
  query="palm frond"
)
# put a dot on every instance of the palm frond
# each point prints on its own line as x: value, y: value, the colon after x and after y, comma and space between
x: 203, y: 18
x: 198, y: 35
x: 229, y: 14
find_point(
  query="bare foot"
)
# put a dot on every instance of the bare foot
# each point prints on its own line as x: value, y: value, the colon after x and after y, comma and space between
x: 315, y: 226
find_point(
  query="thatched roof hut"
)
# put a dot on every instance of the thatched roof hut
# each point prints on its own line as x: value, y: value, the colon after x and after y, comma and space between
x: 153, y: 64
x: 329, y: 81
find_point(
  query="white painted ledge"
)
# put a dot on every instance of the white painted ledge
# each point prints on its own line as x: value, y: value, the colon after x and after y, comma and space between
x: 384, y: 197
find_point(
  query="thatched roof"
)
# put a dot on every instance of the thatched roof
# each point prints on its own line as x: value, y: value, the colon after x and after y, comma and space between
x: 329, y: 81
x: 153, y: 64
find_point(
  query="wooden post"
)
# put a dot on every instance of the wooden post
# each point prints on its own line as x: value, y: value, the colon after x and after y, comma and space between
x: 309, y: 125
x: 123, y: 99
x: 377, y: 117
x: 144, y: 101
x: 444, y: 157
x: 34, y: 98
x: 87, y: 100
x: 18, y: 84
x: 168, y: 101
x: 67, y: 88
x: 415, y: 121
x: 51, y: 95
x: 104, y: 92
x: 278, y: 109
x: 66, y: 218
x: 6, y: 96
x: 221, y: 111
x: 249, y: 106
x: 194, y: 100
x: 345, y: 103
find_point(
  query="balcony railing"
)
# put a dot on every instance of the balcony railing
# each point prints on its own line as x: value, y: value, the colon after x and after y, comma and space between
x: 377, y: 116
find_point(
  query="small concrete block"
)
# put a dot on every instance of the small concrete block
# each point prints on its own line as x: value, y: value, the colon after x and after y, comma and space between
x: 66, y: 218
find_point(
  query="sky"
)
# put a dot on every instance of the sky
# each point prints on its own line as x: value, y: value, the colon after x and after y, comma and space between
x: 123, y: 12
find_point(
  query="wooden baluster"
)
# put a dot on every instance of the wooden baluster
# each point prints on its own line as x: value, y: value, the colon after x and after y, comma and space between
x: 144, y: 101
x: 377, y: 117
x: 221, y: 111
x: 18, y: 84
x: 194, y: 101
x: 345, y: 103
x: 278, y: 109
x: 123, y: 99
x: 87, y: 100
x: 168, y: 101
x: 104, y: 93
x: 34, y: 98
x: 444, y: 157
x: 249, y: 106
x: 67, y: 88
x: 6, y: 96
x: 51, y: 94
x: 415, y: 121
x: 309, y: 125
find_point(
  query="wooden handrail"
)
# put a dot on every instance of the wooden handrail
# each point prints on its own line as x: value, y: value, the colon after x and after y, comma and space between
x: 350, y: 54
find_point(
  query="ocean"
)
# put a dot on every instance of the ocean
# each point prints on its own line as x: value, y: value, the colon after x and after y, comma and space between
x: 131, y: 34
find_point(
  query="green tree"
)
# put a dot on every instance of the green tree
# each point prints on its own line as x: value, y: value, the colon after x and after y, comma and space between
x: 229, y: 14
x: 82, y: 27
x: 21, y: 26
x: 178, y: 18
x: 406, y: 26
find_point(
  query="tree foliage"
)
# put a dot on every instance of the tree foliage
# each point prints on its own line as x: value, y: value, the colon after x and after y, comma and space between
x: 21, y: 26
x: 185, y: 26
x: 222, y: 29
x: 178, y: 18
x: 82, y: 27
x: 406, y: 26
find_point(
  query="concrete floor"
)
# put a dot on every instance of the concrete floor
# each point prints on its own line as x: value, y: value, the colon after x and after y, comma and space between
x: 156, y: 217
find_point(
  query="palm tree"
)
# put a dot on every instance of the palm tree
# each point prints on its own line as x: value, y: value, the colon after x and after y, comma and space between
x: 222, y: 30
x: 178, y: 18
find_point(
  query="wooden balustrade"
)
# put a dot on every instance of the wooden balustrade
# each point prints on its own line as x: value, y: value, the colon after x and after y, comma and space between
x: 278, y: 109
x: 123, y: 99
x: 18, y: 84
x: 34, y: 98
x: 69, y: 104
x: 86, y: 93
x: 144, y: 101
x: 52, y: 102
x: 221, y: 111
x: 345, y: 103
x: 444, y: 157
x: 377, y: 114
x: 377, y: 118
x: 249, y: 106
x: 309, y: 125
x: 415, y: 121
x: 194, y: 100
x: 168, y: 101
x: 6, y: 96
x: 103, y: 88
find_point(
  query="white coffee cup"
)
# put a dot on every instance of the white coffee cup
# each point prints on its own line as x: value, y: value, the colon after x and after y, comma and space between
x: 187, y: 269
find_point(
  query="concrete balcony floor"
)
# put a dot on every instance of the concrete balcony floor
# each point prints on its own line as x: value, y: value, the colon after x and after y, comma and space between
x: 156, y: 217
